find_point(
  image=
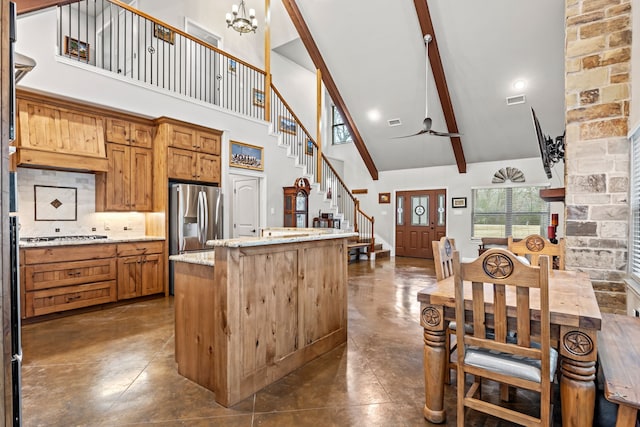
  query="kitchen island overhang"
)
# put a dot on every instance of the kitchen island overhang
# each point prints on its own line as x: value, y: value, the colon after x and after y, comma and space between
x: 262, y: 308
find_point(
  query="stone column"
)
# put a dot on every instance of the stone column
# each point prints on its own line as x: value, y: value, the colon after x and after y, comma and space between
x: 597, y: 92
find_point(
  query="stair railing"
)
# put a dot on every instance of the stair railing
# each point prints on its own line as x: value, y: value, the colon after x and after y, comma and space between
x: 115, y: 37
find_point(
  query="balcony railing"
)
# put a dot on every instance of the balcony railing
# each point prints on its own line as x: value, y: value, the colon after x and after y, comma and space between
x: 120, y: 39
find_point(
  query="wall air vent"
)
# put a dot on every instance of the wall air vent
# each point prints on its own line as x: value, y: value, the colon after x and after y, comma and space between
x: 394, y: 122
x: 516, y: 99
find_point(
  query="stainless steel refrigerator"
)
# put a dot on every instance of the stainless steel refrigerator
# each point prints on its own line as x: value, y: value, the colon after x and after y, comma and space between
x: 195, y: 216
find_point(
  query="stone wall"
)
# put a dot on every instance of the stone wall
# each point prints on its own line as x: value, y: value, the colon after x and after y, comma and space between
x: 597, y: 92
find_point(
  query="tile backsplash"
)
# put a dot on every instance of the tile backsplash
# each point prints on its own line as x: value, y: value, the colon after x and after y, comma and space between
x: 88, y: 221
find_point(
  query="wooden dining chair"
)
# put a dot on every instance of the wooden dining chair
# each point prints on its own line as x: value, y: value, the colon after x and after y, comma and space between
x: 489, y: 290
x: 535, y: 245
x: 443, y: 260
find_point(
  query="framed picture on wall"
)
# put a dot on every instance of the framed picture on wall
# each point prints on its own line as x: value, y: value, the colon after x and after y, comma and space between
x: 164, y: 33
x: 76, y: 48
x: 246, y: 156
x: 287, y: 125
x: 258, y: 98
x: 384, y: 197
x: 458, y: 202
x: 309, y: 149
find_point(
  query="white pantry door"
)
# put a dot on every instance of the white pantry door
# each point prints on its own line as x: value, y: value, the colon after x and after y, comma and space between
x: 246, y: 202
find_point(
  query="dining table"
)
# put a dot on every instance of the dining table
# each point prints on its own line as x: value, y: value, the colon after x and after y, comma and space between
x: 575, y: 322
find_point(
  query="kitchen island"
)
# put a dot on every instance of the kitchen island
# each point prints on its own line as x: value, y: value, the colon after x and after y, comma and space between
x: 258, y: 308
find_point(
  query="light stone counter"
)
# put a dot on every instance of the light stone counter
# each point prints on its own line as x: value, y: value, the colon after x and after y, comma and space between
x: 74, y: 242
x: 202, y: 258
x: 276, y: 236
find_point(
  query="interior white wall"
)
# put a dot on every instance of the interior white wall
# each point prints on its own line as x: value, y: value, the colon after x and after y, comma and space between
x: 73, y: 80
x: 447, y: 177
x: 248, y: 47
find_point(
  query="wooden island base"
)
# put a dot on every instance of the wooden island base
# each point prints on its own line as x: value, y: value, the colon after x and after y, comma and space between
x: 263, y: 311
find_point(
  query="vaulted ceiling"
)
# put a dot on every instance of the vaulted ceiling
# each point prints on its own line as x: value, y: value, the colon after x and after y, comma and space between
x: 375, y: 52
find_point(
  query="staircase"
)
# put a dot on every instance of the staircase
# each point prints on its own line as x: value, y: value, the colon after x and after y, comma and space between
x: 192, y: 68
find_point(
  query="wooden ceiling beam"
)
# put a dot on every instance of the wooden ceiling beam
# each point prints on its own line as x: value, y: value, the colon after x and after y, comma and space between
x: 318, y: 61
x: 25, y: 6
x: 426, y: 25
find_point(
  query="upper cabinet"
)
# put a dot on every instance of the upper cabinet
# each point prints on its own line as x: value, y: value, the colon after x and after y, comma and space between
x: 58, y: 134
x: 128, y: 183
x: 126, y: 132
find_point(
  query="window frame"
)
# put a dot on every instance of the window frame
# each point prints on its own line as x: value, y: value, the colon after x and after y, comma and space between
x: 634, y: 208
x: 334, y: 125
x: 509, y: 213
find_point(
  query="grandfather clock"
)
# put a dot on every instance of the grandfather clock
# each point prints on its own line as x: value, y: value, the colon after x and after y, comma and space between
x: 296, y: 204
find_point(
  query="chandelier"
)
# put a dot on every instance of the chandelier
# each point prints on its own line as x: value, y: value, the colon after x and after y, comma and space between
x: 238, y: 20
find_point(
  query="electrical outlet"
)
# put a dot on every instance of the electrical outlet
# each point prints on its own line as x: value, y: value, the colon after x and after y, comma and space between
x: 93, y: 229
x: 107, y: 226
x: 57, y: 230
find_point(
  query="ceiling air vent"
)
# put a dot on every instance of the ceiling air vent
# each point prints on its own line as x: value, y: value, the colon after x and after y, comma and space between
x: 394, y: 122
x: 517, y: 99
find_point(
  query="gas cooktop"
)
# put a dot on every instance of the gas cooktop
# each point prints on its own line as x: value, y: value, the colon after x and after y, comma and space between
x: 62, y: 238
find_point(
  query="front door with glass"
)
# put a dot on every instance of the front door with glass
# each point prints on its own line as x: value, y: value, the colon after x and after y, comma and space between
x: 420, y: 219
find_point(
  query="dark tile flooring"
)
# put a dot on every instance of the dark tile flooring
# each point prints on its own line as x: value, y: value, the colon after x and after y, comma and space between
x: 116, y: 367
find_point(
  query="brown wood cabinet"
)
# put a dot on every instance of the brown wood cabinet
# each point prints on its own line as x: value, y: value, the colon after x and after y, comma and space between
x: 196, y: 139
x: 54, y: 134
x: 63, y: 278
x: 192, y: 165
x: 126, y: 132
x: 128, y: 184
x: 140, y: 269
x: 192, y: 152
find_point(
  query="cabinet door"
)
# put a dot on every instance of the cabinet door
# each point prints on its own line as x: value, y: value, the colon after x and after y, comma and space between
x: 39, y: 125
x: 181, y: 164
x: 141, y: 135
x: 141, y: 179
x: 208, y: 168
x: 152, y: 274
x: 118, y: 178
x: 82, y: 134
x: 118, y: 131
x: 129, y: 277
x: 182, y: 137
x: 208, y: 143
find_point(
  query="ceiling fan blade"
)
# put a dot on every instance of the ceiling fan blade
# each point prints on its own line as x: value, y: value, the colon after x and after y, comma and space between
x: 409, y: 136
x: 449, y: 135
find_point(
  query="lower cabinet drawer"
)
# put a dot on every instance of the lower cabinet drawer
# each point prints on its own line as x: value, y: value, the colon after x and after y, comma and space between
x: 64, y: 274
x: 53, y: 300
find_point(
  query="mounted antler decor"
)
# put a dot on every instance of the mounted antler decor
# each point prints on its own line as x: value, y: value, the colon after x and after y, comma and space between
x: 508, y: 174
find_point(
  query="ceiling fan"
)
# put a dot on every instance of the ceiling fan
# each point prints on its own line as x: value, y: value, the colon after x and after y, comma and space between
x: 426, y: 123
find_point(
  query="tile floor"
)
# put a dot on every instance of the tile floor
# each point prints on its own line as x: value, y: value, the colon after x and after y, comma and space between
x: 115, y: 367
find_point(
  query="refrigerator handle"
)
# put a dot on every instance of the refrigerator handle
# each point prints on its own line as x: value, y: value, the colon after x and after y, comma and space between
x: 199, y: 217
x: 180, y: 219
x: 205, y: 214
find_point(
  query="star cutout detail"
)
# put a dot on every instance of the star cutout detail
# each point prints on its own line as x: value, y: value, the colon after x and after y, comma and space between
x: 578, y: 343
x: 535, y: 244
x: 431, y: 316
x: 498, y: 266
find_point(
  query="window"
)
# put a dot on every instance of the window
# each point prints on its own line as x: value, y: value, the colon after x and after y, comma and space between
x: 513, y: 211
x: 340, y: 134
x: 634, y: 246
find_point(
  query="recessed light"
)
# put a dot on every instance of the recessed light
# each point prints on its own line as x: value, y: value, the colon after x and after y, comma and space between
x: 374, y: 115
x: 519, y: 84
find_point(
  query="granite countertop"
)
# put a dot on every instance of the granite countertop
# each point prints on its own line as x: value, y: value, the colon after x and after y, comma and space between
x: 63, y: 242
x: 202, y: 258
x: 284, y: 235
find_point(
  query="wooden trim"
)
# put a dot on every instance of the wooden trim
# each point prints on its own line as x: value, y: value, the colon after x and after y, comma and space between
x: 319, y: 125
x: 552, y: 194
x: 360, y: 191
x: 25, y: 6
x: 316, y: 57
x: 426, y: 25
